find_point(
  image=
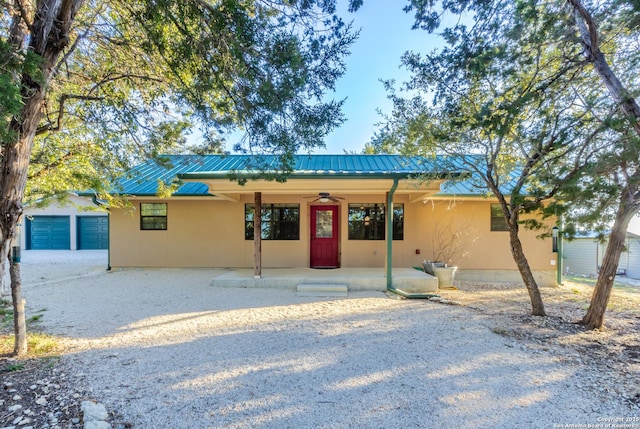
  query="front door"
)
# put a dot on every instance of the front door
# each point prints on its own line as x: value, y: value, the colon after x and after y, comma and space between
x: 324, y: 237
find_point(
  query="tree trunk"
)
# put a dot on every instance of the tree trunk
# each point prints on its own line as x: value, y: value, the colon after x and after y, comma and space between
x: 590, y: 39
x: 3, y: 283
x: 537, y: 306
x: 48, y: 36
x: 630, y: 199
x: 594, y: 319
x: 19, y: 320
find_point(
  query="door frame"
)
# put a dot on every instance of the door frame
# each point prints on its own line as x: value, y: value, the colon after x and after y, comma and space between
x: 336, y: 232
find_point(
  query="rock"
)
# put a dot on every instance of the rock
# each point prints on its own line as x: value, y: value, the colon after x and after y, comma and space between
x: 93, y: 411
x: 97, y: 425
x: 15, y: 407
x: 41, y: 400
x: 17, y: 398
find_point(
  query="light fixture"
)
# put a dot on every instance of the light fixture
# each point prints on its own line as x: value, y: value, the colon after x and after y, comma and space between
x: 367, y: 220
x: 554, y: 239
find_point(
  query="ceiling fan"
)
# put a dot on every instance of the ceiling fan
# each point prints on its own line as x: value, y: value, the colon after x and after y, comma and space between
x: 324, y: 197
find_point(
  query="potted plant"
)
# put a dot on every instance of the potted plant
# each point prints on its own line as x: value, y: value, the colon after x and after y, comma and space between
x: 446, y: 245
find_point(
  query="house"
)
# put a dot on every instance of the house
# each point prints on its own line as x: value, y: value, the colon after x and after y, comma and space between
x: 75, y: 224
x: 583, y: 255
x: 331, y: 212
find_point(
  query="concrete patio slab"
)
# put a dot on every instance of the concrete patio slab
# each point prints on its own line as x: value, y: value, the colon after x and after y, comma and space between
x: 357, y: 279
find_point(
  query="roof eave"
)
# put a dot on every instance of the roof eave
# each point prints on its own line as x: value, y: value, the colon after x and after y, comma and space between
x: 248, y: 175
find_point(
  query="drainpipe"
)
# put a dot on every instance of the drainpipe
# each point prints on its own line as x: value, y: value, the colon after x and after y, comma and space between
x: 389, y: 260
x: 94, y: 199
x: 560, y: 268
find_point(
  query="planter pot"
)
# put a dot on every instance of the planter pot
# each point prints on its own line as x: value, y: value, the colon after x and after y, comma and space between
x: 445, y: 275
x: 429, y: 266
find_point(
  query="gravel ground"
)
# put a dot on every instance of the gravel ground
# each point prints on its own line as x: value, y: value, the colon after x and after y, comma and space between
x: 163, y: 349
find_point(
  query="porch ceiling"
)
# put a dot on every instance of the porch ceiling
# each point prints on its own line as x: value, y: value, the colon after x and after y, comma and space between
x: 231, y: 190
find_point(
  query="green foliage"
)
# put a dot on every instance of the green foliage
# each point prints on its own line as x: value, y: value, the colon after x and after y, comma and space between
x: 139, y: 76
x: 511, y: 88
x: 520, y: 72
x: 14, y: 367
x: 6, y: 314
x: 13, y: 64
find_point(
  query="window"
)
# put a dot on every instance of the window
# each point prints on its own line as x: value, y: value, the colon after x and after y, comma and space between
x: 153, y: 216
x: 367, y: 221
x: 279, y: 221
x: 497, y: 219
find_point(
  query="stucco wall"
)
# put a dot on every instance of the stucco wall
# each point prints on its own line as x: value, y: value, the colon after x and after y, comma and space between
x: 208, y: 233
x: 478, y: 248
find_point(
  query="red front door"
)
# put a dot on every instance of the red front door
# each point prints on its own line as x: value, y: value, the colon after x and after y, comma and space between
x: 324, y: 237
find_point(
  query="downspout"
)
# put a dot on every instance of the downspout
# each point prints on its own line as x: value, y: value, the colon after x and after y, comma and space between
x: 560, y: 264
x: 98, y: 203
x: 389, y: 259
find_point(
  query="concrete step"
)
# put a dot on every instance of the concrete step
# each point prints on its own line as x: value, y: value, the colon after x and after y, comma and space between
x: 322, y: 290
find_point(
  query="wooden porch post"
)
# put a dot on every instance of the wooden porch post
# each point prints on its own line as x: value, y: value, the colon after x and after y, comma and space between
x: 257, y: 235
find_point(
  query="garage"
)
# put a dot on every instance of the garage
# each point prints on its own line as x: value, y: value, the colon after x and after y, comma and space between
x: 48, y: 233
x: 93, y: 232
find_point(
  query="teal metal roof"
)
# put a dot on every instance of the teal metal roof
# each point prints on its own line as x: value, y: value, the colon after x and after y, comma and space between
x: 143, y: 179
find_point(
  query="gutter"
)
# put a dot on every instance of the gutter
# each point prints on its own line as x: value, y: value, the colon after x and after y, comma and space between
x: 97, y: 202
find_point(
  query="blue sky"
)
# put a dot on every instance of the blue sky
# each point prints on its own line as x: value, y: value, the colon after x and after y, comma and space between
x: 385, y: 34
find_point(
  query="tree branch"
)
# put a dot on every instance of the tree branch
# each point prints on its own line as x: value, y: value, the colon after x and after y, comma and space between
x: 63, y: 99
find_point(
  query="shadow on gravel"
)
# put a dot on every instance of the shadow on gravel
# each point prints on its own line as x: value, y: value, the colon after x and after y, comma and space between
x: 168, y: 350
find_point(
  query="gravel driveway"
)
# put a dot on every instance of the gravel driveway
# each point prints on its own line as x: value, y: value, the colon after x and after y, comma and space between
x: 164, y: 349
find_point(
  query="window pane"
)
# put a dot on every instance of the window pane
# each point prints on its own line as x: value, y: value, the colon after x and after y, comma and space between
x: 278, y: 222
x: 367, y: 221
x: 498, y: 223
x: 324, y: 224
x: 153, y: 216
x: 398, y: 221
x: 153, y: 209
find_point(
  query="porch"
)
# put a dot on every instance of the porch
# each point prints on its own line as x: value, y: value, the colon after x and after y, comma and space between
x: 408, y: 280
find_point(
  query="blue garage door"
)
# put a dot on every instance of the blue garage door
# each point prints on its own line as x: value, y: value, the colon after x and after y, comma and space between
x: 93, y: 232
x: 48, y: 233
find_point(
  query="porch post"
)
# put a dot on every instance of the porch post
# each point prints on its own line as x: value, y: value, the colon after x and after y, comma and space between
x: 389, y: 234
x: 257, y: 235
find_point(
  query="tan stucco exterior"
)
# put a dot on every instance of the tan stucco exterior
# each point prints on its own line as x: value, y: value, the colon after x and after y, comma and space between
x: 209, y: 232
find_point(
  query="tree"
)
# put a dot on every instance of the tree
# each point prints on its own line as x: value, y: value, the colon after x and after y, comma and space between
x: 622, y: 166
x: 105, y: 83
x: 604, y: 170
x: 523, y: 132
